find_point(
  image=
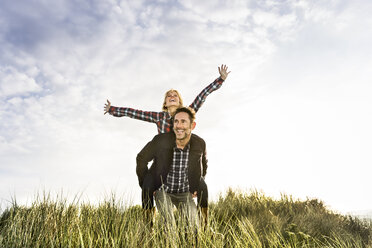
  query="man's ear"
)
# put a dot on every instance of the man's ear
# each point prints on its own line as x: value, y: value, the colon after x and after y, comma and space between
x: 193, y: 125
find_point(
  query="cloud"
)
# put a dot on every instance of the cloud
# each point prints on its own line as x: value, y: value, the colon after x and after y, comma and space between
x: 29, y: 24
x: 55, y: 72
x: 14, y: 82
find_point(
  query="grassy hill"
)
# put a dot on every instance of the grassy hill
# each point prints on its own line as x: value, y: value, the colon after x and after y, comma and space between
x: 237, y: 219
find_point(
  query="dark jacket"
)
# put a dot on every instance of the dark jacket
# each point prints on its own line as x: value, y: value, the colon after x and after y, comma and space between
x: 160, y: 150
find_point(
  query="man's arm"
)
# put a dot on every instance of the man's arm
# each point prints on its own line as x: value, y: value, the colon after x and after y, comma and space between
x: 204, y: 164
x: 143, y: 158
x: 200, y: 99
x: 204, y: 160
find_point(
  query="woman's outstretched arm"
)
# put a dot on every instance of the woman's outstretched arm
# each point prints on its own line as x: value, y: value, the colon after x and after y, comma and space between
x: 148, y: 116
x: 200, y: 99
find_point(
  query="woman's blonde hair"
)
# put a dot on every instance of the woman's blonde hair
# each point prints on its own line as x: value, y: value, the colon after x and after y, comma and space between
x: 164, y: 108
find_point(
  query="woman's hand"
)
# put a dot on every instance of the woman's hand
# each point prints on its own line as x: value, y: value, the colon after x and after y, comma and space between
x: 223, y: 72
x: 107, y: 107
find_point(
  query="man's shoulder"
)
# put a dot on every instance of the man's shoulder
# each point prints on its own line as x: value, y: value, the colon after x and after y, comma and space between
x: 170, y: 137
x: 197, y: 139
x: 161, y: 137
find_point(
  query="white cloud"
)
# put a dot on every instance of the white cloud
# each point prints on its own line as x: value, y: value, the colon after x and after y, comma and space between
x: 221, y: 12
x: 13, y: 82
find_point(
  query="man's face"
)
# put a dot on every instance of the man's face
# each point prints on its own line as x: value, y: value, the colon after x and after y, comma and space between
x: 172, y: 99
x: 182, y: 126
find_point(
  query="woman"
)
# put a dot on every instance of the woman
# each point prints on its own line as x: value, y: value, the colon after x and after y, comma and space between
x: 164, y: 122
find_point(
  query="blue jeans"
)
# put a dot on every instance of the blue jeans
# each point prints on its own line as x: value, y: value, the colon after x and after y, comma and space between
x: 148, y: 188
x: 184, y: 202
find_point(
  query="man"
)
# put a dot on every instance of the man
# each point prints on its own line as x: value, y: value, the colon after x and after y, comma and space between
x: 179, y: 162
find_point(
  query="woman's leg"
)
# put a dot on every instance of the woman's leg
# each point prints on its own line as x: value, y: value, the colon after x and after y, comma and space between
x: 148, y: 188
x: 203, y: 194
x: 203, y: 199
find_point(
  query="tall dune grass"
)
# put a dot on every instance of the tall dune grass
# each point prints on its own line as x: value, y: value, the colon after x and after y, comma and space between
x: 237, y: 219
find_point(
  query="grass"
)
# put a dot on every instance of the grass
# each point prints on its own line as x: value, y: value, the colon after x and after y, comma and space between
x: 237, y: 219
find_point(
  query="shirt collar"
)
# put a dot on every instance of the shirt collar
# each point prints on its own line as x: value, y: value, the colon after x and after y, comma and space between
x: 187, y: 147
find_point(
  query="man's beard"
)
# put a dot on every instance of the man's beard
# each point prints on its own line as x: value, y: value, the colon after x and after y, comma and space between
x: 181, y: 136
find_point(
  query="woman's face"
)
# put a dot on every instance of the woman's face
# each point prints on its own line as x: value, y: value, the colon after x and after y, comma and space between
x: 172, y: 99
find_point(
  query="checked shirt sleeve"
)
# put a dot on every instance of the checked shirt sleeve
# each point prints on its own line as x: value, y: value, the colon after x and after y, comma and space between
x: 148, y: 116
x: 200, y: 99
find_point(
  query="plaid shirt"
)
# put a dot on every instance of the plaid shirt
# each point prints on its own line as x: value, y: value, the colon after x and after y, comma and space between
x: 177, y: 178
x: 163, y: 120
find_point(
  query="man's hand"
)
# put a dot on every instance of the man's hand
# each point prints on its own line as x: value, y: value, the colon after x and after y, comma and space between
x: 223, y: 72
x: 195, y: 194
x: 107, y: 107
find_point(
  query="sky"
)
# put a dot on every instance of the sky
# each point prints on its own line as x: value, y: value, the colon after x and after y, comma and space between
x: 293, y: 117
